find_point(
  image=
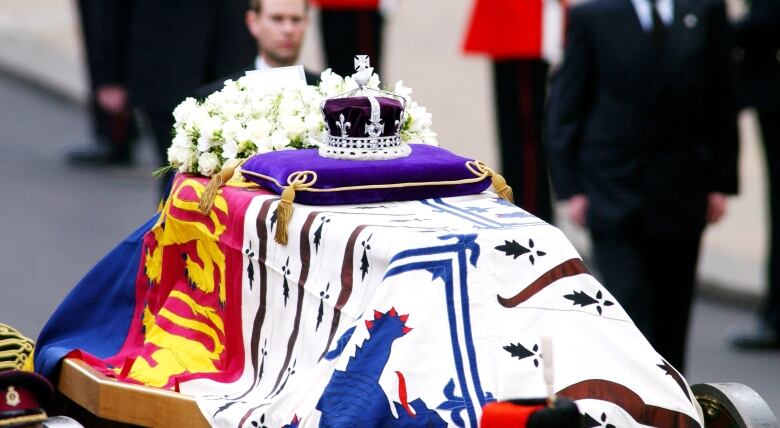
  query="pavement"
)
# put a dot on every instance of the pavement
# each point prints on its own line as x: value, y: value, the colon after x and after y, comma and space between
x: 58, y: 221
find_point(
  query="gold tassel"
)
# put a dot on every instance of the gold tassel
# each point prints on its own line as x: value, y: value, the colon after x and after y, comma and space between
x: 207, y: 199
x: 503, y: 190
x: 217, y: 181
x: 284, y: 214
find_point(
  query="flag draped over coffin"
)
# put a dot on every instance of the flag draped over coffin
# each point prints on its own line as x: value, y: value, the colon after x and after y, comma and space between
x: 394, y: 314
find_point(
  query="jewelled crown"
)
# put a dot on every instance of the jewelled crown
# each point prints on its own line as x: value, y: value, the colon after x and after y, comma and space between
x: 365, y: 123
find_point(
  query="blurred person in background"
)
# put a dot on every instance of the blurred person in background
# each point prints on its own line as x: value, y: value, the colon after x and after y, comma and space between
x: 642, y: 140
x: 522, y: 38
x: 176, y: 46
x: 278, y: 27
x: 104, y: 27
x: 349, y: 28
x: 757, y: 36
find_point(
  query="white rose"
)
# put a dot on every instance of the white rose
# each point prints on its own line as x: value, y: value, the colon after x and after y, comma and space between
x: 402, y: 90
x: 264, y: 145
x: 183, y: 111
x: 232, y: 130
x: 196, y: 119
x: 259, y: 129
x: 279, y: 139
x: 420, y: 118
x: 232, y: 92
x: 181, y: 140
x: 429, y: 138
x: 293, y: 126
x: 291, y: 104
x: 310, y: 96
x: 230, y: 149
x: 208, y: 163
x: 373, y: 81
x: 330, y: 83
x: 313, y: 122
x: 214, y: 102
x: 350, y: 84
x: 210, y: 127
x: 181, y: 158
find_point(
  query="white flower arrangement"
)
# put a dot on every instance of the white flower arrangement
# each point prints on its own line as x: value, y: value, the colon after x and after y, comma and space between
x: 250, y: 116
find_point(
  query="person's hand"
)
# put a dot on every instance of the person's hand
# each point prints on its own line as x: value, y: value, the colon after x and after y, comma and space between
x: 112, y: 98
x: 576, y: 207
x: 716, y: 207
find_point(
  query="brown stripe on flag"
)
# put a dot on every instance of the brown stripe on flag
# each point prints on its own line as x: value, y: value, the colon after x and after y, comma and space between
x: 346, y: 285
x: 257, y: 325
x: 305, y: 254
x: 628, y: 400
x: 566, y: 269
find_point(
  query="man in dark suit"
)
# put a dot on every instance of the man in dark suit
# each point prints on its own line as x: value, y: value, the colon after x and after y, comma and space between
x: 349, y: 28
x: 175, y: 46
x: 278, y: 27
x: 643, y: 148
x: 757, y: 36
x: 104, y: 31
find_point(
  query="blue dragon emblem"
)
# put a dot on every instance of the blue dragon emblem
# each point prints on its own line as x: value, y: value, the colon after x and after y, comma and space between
x: 354, y: 396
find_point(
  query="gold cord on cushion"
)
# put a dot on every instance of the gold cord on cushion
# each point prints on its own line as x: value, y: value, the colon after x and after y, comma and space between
x: 503, y: 190
x: 296, y: 181
x: 15, y: 349
x: 217, y: 181
x: 305, y: 180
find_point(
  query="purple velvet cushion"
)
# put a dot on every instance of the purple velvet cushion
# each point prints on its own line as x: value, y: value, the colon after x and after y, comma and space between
x: 425, y: 164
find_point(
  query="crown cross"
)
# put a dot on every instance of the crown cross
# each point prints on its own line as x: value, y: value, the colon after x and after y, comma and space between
x: 362, y: 62
x: 343, y: 126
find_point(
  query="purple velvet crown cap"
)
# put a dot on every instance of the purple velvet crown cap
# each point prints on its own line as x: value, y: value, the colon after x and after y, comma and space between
x: 351, y: 116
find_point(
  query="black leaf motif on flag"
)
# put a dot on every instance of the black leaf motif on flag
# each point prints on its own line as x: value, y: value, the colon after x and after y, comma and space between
x: 260, y: 423
x: 290, y: 373
x: 513, y: 249
x: 264, y: 353
x: 670, y: 371
x: 580, y: 298
x: 273, y: 219
x: 589, y: 422
x: 364, y: 265
x: 583, y: 299
x: 521, y: 352
x: 285, y: 285
x: 604, y: 420
x: 323, y: 296
x: 250, y: 268
x: 318, y: 233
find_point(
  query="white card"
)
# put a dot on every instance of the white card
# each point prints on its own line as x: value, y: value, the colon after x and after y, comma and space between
x: 280, y: 75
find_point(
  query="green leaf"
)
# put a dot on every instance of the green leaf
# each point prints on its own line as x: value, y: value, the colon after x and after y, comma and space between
x: 159, y: 172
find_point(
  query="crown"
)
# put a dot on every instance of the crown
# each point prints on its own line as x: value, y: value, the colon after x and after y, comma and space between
x: 364, y: 123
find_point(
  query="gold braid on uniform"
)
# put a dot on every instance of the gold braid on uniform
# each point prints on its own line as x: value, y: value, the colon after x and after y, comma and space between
x: 15, y: 349
x: 23, y: 420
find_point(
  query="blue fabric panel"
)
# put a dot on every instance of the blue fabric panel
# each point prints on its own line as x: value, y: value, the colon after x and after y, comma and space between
x: 96, y: 315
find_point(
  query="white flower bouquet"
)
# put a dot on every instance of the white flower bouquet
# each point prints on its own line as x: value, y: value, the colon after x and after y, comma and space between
x: 250, y: 116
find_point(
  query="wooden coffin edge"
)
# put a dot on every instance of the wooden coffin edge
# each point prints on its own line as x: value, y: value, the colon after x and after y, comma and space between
x: 110, y: 399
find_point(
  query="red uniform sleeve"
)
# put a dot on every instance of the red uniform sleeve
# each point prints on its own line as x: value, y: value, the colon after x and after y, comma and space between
x: 505, y: 29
